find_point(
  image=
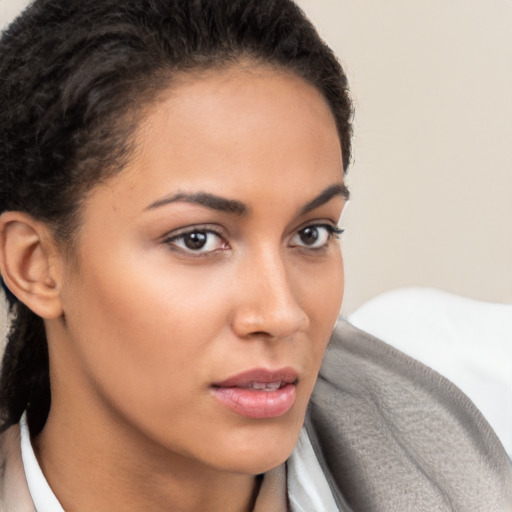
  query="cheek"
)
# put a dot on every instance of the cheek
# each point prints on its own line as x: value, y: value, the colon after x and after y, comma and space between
x: 169, y: 307
x: 321, y: 295
x: 141, y: 328
x: 322, y: 292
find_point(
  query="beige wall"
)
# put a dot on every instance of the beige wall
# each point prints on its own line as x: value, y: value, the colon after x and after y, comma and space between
x: 432, y: 177
x: 9, y: 9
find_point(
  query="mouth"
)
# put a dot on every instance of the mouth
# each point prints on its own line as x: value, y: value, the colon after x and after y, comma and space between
x: 259, y: 393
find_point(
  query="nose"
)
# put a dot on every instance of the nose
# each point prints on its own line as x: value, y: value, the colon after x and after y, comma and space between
x: 268, y: 304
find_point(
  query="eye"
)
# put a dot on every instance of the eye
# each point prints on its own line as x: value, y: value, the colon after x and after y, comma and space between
x: 197, y: 241
x: 315, y: 236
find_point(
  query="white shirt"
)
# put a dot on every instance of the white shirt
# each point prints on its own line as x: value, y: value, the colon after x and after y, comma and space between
x: 42, y: 496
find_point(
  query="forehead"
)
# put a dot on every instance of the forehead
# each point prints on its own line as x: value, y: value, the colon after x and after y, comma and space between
x: 240, y: 131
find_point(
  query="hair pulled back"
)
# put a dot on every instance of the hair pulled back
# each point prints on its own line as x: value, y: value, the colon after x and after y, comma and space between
x: 74, y: 75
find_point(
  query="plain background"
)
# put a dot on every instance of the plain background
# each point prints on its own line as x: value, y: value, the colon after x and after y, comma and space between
x: 431, y: 179
x: 432, y: 176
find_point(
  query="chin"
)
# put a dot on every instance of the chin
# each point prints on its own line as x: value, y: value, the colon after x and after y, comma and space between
x: 258, y: 450
x: 258, y: 462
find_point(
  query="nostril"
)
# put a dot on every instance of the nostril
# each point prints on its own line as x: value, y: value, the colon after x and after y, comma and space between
x: 261, y: 333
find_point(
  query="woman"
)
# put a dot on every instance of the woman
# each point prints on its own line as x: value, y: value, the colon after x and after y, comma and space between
x: 172, y: 178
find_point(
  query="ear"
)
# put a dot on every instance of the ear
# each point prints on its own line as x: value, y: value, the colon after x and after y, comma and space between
x: 28, y: 263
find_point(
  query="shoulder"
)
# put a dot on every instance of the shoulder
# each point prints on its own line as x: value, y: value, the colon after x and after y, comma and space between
x: 14, y: 493
x: 393, y: 434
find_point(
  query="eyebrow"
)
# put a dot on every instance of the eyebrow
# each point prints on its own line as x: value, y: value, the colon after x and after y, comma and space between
x: 204, y: 199
x: 238, y: 208
x: 338, y: 189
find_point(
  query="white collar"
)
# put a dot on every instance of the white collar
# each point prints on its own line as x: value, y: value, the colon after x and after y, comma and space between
x: 42, y: 496
x: 307, y: 486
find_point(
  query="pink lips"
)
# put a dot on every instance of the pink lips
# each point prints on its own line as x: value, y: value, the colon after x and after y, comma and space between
x: 258, y: 393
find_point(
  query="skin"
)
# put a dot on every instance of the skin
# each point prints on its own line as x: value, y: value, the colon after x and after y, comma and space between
x: 148, y: 325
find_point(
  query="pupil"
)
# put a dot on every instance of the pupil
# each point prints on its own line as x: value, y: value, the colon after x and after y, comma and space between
x: 309, y: 236
x: 195, y: 240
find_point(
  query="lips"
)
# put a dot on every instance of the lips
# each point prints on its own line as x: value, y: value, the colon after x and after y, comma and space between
x: 258, y: 393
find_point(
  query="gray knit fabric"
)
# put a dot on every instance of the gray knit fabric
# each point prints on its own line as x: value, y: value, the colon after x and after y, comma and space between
x: 394, y: 436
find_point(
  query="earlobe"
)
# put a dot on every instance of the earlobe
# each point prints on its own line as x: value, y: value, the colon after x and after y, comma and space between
x: 26, y: 257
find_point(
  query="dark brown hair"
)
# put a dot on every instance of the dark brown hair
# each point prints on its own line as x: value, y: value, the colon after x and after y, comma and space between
x: 74, y: 75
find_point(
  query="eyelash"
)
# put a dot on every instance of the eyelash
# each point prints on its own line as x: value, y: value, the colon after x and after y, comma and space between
x: 173, y: 241
x: 332, y: 232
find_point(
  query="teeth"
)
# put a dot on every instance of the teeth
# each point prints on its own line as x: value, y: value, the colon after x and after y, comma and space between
x: 266, y: 386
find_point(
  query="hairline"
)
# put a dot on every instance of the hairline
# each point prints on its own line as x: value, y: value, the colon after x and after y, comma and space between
x: 67, y: 233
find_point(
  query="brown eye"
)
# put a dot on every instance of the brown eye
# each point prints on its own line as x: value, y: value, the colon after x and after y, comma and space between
x: 316, y: 236
x: 309, y: 235
x: 197, y: 242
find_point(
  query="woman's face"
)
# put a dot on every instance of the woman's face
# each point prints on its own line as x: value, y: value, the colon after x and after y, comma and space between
x: 208, y: 277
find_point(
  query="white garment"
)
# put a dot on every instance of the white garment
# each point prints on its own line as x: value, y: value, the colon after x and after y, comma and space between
x: 467, y: 341
x: 42, y: 496
x: 307, y: 487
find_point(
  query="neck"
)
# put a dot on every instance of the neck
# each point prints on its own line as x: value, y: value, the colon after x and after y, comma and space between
x: 105, y: 467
